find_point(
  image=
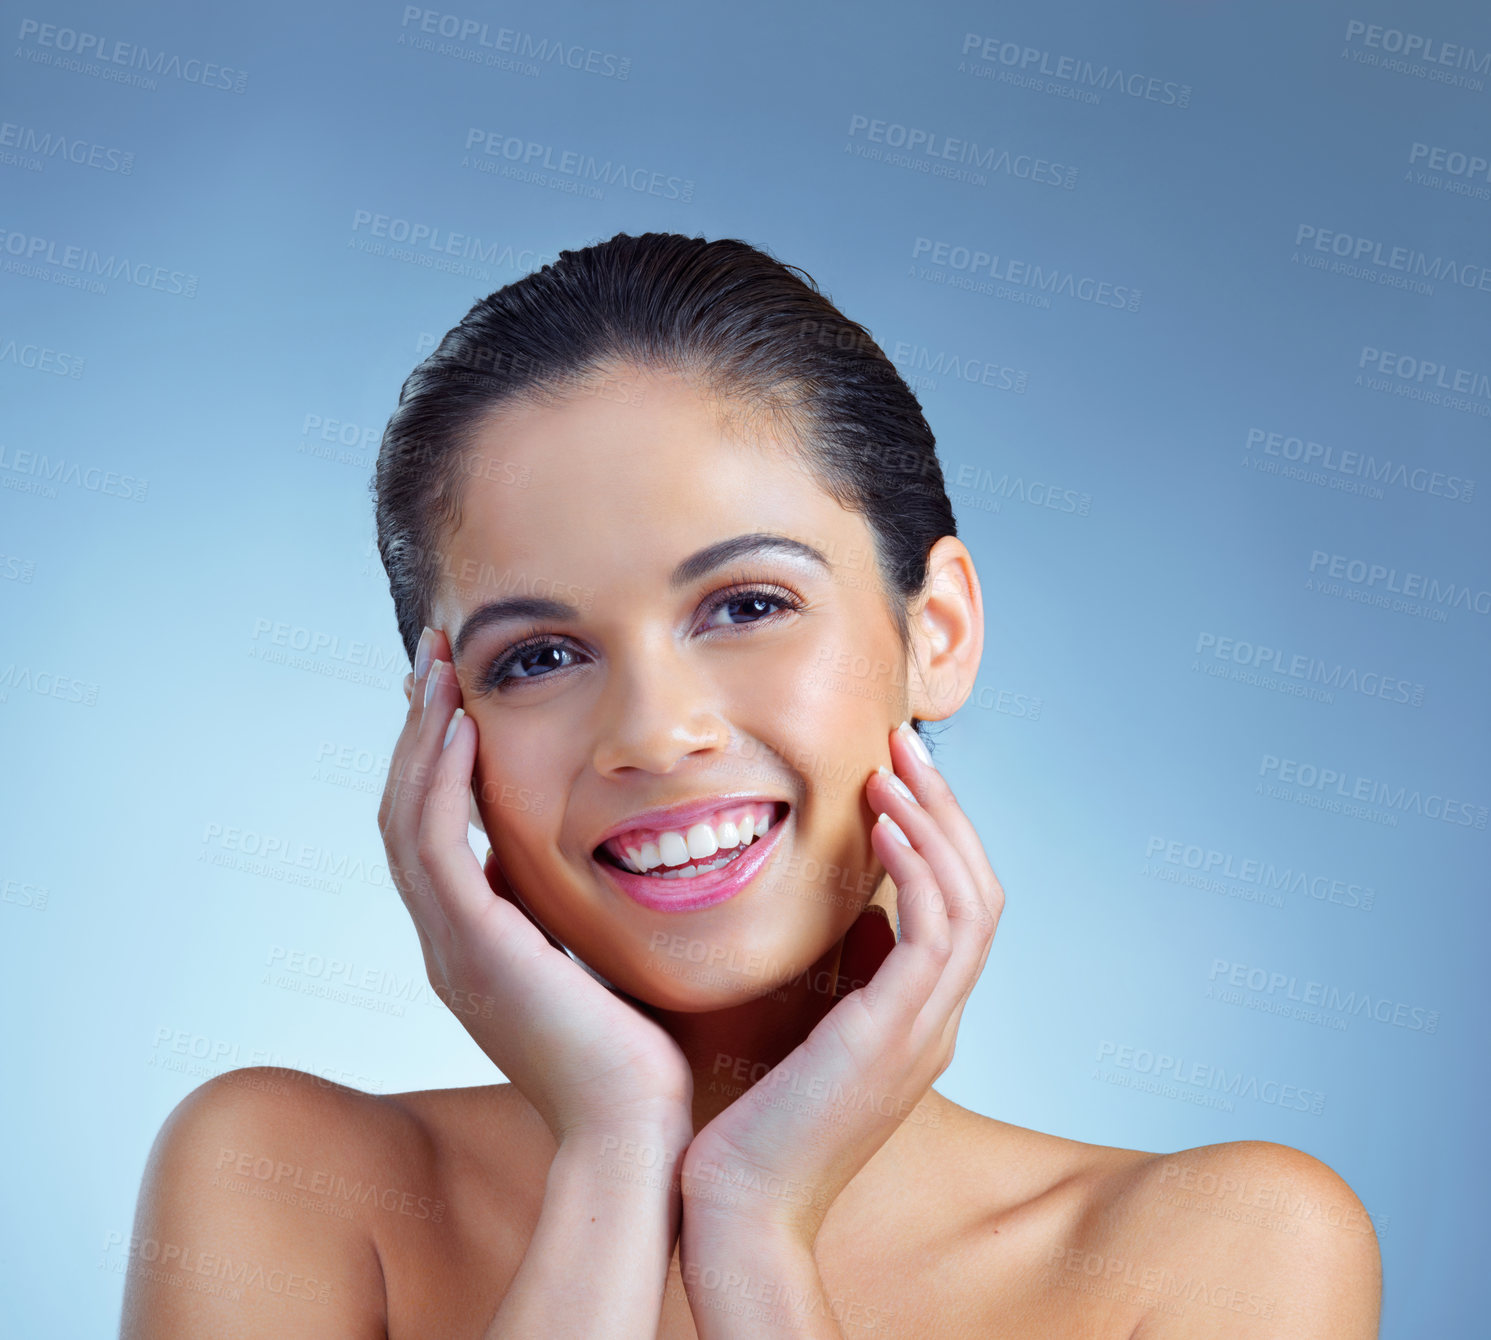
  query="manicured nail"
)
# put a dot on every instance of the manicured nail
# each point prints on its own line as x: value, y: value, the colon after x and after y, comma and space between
x: 915, y: 741
x: 896, y: 784
x: 423, y: 652
x: 895, y: 829
x: 450, y: 730
x: 433, y: 680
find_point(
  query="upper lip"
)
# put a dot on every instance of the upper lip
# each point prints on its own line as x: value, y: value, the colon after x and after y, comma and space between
x: 685, y: 812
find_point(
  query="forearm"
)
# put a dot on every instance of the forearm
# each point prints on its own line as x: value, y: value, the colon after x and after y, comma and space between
x: 755, y: 1286
x: 598, y: 1260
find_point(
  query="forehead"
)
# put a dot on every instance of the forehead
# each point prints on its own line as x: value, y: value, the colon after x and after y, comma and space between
x: 619, y: 482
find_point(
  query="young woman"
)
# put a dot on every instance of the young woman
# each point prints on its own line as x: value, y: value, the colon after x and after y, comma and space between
x: 670, y: 550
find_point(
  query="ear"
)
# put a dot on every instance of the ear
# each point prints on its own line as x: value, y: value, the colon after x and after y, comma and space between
x: 946, y: 626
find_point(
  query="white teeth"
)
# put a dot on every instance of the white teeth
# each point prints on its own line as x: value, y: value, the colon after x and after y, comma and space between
x: 690, y: 870
x: 700, y: 842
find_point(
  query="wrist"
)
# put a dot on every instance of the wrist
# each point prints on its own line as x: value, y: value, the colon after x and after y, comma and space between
x: 644, y: 1157
x: 731, y: 1203
x: 707, y: 1236
x: 768, y: 1283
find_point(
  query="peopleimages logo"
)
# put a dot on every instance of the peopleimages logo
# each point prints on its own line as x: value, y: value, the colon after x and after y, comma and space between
x: 1311, y: 669
x: 1454, y: 162
x: 512, y: 151
x: 1414, y: 46
x: 1378, y: 576
x: 523, y: 46
x: 1462, y: 381
x: 970, y: 265
x: 928, y: 149
x: 1209, y: 862
x: 1310, y: 778
x: 1321, y: 460
x: 33, y: 252
x: 1358, y: 1003
x: 1388, y: 262
x: 80, y: 47
x: 27, y: 140
x: 1084, y: 74
x: 1178, y: 1077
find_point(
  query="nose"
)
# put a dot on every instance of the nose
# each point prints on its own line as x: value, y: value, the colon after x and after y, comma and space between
x: 657, y: 709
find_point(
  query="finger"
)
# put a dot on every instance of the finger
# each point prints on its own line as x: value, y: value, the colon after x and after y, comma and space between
x: 970, y: 925
x: 895, y: 996
x: 459, y: 884
x: 972, y: 906
x: 889, y: 793
x: 929, y: 786
x: 398, y: 823
x: 448, y: 740
x: 393, y: 812
x: 435, y: 699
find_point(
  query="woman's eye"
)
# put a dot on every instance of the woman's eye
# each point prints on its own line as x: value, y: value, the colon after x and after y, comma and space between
x: 528, y: 663
x: 753, y: 605
x: 536, y: 660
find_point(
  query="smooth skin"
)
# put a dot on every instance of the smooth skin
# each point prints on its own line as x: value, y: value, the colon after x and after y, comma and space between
x: 744, y: 1146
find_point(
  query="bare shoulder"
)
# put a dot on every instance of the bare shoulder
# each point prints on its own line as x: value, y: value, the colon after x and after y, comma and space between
x: 1247, y: 1233
x: 256, y: 1213
x: 1246, y: 1238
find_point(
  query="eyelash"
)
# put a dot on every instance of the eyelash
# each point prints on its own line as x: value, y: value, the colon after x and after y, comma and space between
x: 496, y: 676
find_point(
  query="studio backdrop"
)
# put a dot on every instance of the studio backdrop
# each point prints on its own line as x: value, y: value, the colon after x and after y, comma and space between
x: 1195, y: 297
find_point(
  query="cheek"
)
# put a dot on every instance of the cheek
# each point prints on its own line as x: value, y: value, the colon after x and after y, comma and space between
x: 514, y: 783
x: 835, y: 686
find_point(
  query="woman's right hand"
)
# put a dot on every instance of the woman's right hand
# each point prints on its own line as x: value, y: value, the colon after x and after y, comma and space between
x: 586, y: 1059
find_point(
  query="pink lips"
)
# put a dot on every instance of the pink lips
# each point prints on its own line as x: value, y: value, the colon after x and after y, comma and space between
x: 715, y: 886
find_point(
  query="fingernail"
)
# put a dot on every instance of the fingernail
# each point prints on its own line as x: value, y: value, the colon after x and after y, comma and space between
x: 433, y: 680
x: 895, y: 829
x: 423, y: 652
x: 896, y: 784
x: 450, y: 730
x: 915, y: 741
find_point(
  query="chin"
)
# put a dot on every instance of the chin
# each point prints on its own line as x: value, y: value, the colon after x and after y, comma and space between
x: 691, y: 973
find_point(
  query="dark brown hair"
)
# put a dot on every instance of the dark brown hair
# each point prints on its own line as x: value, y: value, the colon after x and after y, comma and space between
x: 756, y: 335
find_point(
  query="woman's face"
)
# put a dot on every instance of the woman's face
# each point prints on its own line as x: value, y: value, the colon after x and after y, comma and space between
x: 676, y: 675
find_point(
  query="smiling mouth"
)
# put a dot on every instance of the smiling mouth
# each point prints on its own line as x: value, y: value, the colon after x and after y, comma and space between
x: 651, y: 859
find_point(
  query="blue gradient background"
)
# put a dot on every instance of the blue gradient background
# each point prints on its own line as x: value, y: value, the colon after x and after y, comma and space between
x: 134, y: 967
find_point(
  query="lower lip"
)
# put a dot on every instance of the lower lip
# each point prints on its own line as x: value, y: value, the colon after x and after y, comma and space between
x: 688, y: 895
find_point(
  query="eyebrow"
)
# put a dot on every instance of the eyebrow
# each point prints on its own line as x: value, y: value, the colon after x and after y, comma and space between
x: 688, y: 571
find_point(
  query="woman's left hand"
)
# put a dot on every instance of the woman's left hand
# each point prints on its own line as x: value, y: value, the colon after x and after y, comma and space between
x: 769, y: 1166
